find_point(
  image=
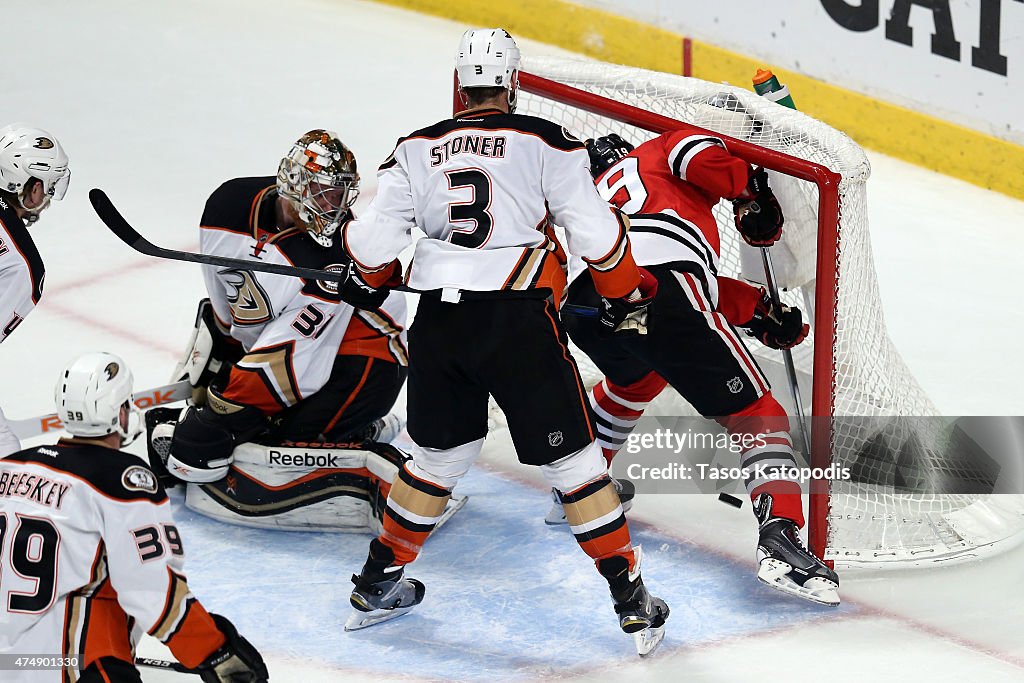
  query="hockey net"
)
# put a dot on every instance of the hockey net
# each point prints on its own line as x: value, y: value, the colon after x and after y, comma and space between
x: 870, y: 413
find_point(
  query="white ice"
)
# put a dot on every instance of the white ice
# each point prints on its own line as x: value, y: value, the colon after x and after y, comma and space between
x: 159, y: 102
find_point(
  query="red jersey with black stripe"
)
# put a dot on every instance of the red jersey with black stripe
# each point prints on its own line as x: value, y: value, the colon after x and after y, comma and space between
x: 91, y: 558
x: 669, y: 186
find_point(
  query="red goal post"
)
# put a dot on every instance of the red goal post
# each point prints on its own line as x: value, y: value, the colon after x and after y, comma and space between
x: 867, y: 408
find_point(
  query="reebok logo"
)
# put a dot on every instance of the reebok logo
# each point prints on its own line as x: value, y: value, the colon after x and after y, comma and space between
x: 303, y: 459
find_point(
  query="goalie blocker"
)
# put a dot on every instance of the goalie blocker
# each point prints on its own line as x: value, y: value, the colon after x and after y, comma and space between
x: 299, y: 486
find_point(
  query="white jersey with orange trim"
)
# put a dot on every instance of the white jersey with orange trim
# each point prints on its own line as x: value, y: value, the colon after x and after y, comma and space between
x: 290, y: 328
x: 21, y: 286
x: 91, y: 558
x: 485, y: 188
x: 21, y: 271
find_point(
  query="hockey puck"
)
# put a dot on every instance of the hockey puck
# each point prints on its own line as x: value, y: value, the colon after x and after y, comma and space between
x: 730, y: 500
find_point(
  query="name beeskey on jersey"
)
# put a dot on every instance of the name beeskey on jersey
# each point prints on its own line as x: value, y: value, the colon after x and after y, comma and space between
x: 36, y: 662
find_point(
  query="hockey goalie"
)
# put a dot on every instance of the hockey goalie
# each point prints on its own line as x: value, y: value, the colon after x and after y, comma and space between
x: 289, y: 424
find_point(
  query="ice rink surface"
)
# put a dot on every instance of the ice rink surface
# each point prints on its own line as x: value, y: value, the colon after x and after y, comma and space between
x: 159, y: 102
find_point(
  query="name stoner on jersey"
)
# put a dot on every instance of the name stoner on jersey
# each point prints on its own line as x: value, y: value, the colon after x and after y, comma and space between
x: 33, y: 171
x: 486, y: 187
x: 285, y: 359
x: 669, y: 186
x: 90, y: 554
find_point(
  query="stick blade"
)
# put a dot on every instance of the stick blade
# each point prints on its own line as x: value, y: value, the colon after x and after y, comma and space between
x: 113, y: 219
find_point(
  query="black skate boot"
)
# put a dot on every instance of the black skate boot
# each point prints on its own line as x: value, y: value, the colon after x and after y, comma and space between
x: 623, y: 487
x: 640, y: 614
x: 785, y: 564
x: 382, y: 592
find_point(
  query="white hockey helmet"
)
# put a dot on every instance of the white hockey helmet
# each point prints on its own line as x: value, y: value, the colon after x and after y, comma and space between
x: 488, y: 58
x: 90, y: 394
x: 319, y: 178
x: 27, y: 152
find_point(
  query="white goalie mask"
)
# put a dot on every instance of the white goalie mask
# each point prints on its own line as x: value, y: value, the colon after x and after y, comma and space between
x: 90, y: 393
x: 489, y: 58
x: 319, y: 178
x: 27, y: 152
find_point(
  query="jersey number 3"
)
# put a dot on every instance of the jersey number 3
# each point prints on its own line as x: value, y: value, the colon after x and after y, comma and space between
x: 474, y: 211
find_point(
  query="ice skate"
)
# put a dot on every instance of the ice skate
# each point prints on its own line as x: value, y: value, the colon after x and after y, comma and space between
x: 785, y: 564
x: 624, y: 487
x: 640, y: 614
x: 381, y: 592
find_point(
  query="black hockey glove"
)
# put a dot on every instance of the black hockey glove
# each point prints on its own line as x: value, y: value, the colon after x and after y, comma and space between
x: 356, y: 291
x: 236, y: 662
x: 757, y: 212
x: 629, y: 313
x: 778, y: 329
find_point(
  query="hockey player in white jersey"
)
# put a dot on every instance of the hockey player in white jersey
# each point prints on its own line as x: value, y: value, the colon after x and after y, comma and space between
x: 486, y: 187
x: 287, y: 360
x: 33, y: 171
x: 90, y: 555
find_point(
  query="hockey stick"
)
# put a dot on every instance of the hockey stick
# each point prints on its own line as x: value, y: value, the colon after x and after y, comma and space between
x: 117, y: 224
x: 787, y: 354
x: 113, y: 219
x: 164, y: 664
x: 44, y: 424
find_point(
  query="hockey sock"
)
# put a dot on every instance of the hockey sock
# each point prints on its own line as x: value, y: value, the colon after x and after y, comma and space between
x: 597, y: 522
x: 618, y: 408
x: 413, y: 508
x: 766, y: 451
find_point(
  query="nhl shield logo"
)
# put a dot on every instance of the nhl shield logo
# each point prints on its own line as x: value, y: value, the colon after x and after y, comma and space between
x: 735, y: 385
x: 555, y: 439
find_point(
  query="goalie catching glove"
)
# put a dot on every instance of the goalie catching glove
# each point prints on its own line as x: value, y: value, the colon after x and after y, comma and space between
x: 757, y: 212
x: 629, y: 313
x: 779, y: 329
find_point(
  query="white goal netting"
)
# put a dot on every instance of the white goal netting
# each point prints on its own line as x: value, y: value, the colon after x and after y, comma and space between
x: 883, y: 427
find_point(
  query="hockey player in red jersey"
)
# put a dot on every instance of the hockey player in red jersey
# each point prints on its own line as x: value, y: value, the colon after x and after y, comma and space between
x: 668, y: 186
x: 95, y: 558
x: 482, y: 186
x: 284, y: 358
x: 33, y: 171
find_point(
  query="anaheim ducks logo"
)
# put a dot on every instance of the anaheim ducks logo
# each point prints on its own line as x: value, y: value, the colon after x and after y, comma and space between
x: 249, y: 303
x: 111, y: 370
x: 330, y: 286
x: 43, y: 143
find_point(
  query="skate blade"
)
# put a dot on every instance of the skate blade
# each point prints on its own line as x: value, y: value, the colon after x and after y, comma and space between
x: 774, y: 573
x: 360, y: 620
x: 648, y: 640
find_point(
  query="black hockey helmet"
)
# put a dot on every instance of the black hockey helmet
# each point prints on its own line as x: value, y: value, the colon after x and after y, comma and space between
x: 605, y: 151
